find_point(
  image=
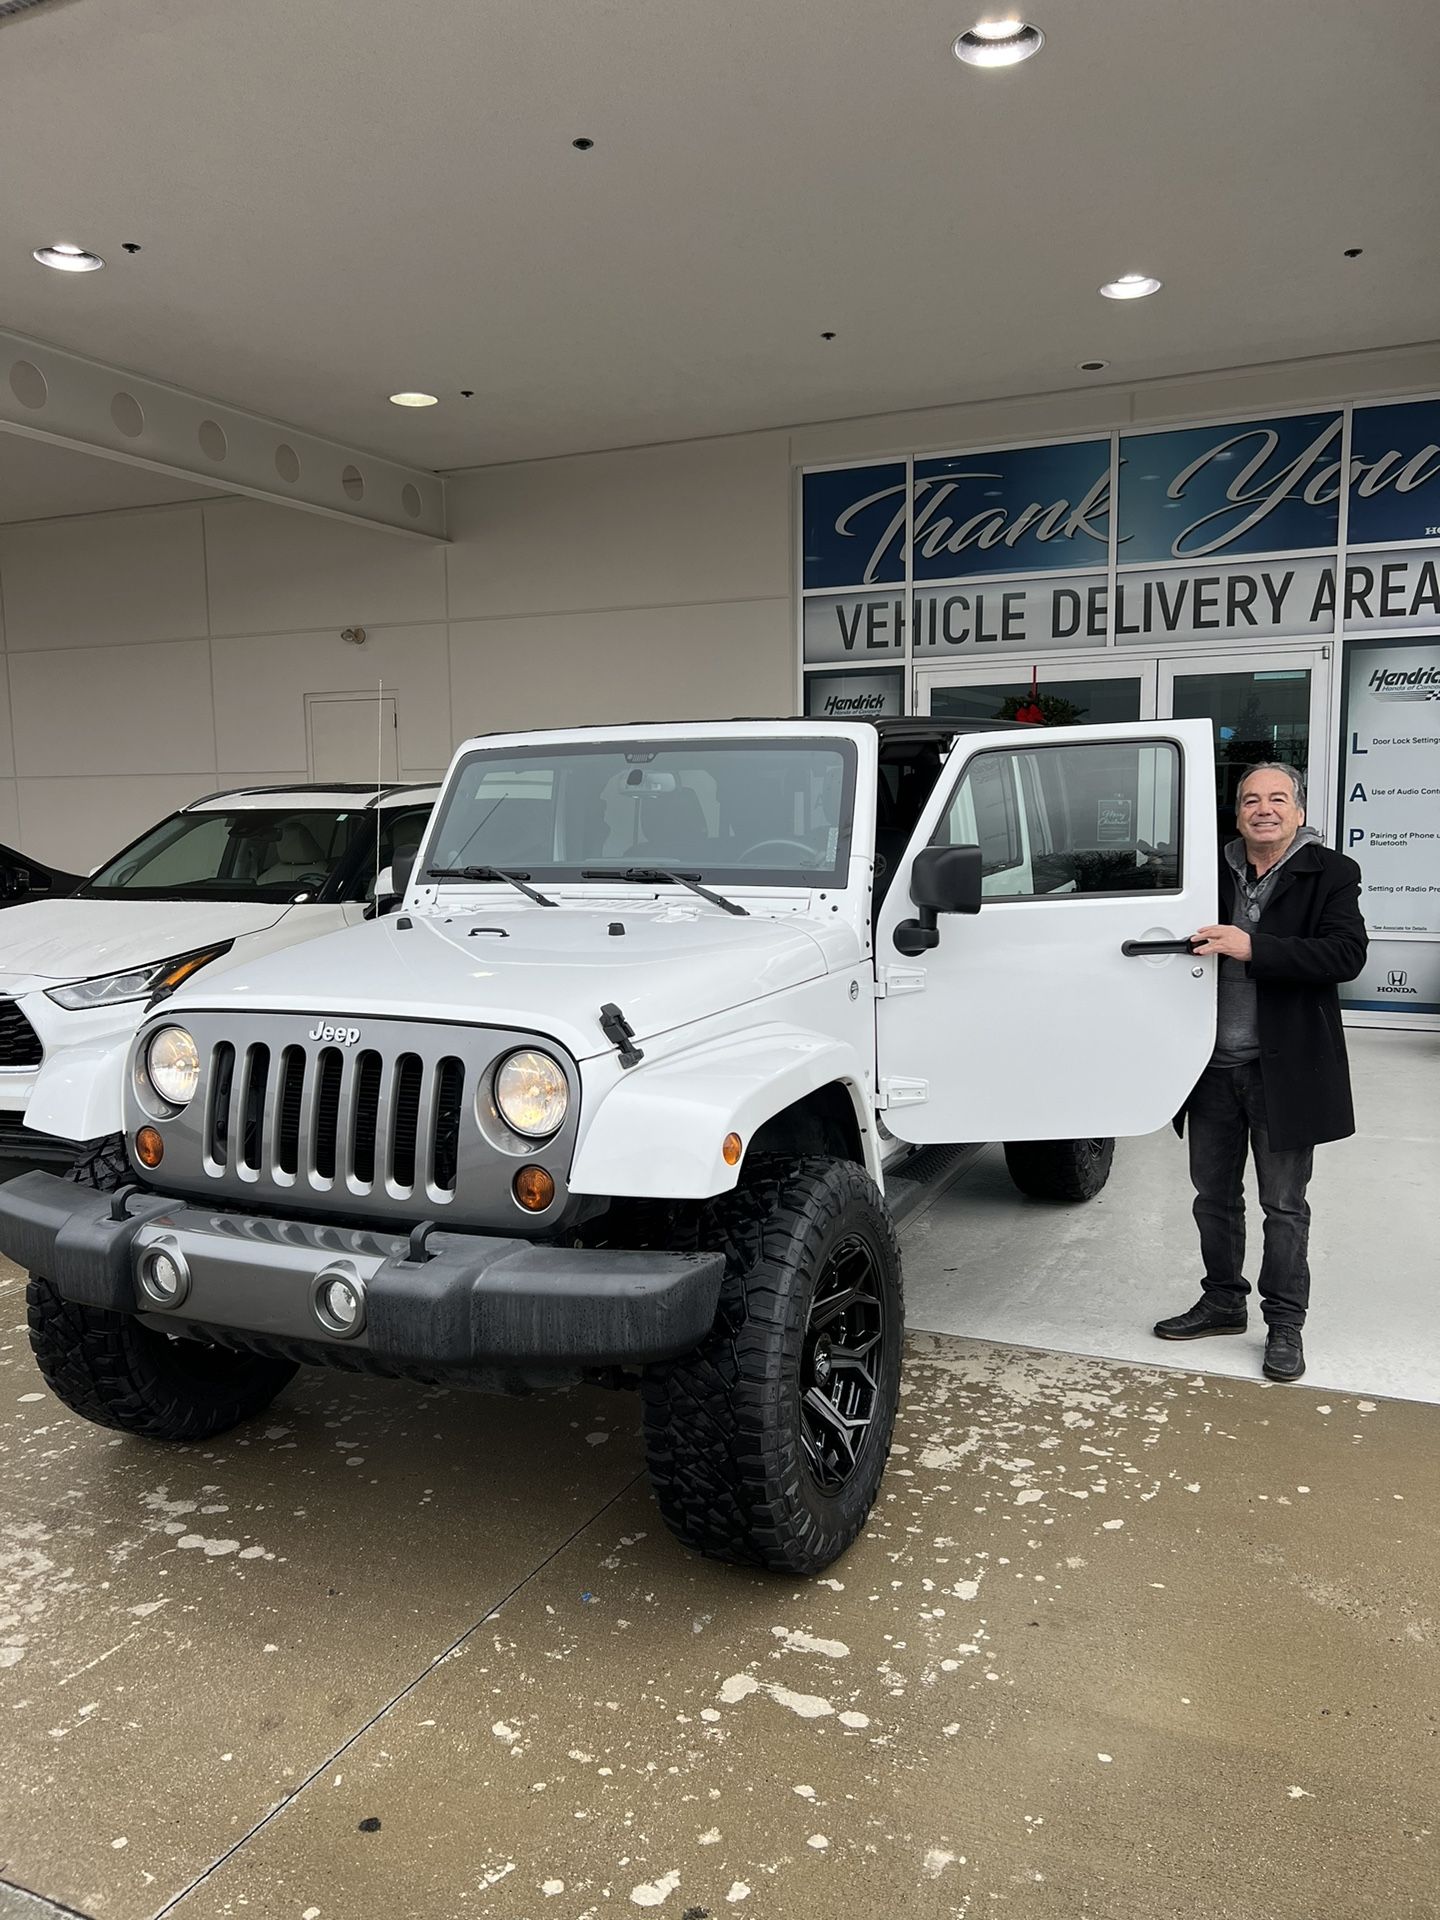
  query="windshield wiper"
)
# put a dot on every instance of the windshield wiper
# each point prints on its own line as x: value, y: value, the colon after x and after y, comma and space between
x: 644, y: 874
x: 517, y: 880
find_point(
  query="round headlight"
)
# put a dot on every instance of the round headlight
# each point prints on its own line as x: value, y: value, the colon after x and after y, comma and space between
x: 172, y: 1061
x: 531, y: 1093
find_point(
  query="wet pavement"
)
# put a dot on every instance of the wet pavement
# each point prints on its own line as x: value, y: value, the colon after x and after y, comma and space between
x: 1120, y: 1641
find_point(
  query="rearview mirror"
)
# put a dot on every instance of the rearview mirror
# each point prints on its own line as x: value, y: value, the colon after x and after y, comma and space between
x: 942, y: 880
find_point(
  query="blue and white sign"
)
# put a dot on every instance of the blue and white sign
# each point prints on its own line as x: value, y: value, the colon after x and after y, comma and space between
x: 1395, y: 473
x: 1209, y: 498
x: 1028, y: 510
x: 1269, y: 486
x: 854, y: 526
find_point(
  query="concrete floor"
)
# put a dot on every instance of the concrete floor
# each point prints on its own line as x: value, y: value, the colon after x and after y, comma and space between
x: 1094, y: 1279
x: 1121, y: 1640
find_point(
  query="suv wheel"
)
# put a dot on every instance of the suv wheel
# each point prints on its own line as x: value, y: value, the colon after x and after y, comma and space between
x: 1060, y: 1169
x: 109, y: 1368
x: 767, y: 1445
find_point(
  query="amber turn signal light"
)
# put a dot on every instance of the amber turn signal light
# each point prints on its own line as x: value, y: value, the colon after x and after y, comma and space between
x: 149, y: 1147
x: 732, y: 1149
x: 534, y: 1188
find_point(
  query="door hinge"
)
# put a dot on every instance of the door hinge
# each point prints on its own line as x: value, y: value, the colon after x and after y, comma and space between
x: 900, y: 1092
x: 893, y: 980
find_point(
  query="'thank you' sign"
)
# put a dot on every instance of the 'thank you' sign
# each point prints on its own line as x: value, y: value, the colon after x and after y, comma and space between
x: 1229, y: 531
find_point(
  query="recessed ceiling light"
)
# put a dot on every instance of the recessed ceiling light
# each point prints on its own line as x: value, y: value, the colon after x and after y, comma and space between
x: 412, y: 400
x: 1092, y: 366
x: 67, y: 259
x: 1131, y: 286
x: 998, y: 43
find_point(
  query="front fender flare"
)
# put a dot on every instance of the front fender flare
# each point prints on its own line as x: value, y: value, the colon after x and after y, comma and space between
x: 658, y: 1131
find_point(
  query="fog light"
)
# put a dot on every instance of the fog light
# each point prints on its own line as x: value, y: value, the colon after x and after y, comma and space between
x: 149, y: 1147
x: 164, y: 1277
x: 338, y: 1299
x: 534, y: 1189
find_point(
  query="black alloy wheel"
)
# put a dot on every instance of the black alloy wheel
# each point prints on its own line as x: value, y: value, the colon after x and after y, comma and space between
x: 844, y: 1333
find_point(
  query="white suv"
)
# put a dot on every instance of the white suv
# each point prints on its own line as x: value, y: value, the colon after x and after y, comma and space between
x: 223, y: 880
x: 614, y: 1095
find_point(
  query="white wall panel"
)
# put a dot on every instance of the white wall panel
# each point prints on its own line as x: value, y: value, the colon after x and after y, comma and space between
x: 273, y: 570
x: 79, y: 822
x: 103, y: 581
x: 7, y: 746
x: 261, y: 683
x: 652, y: 663
x: 111, y: 710
x: 653, y: 526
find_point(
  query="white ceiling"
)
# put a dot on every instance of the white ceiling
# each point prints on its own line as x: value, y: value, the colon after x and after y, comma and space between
x: 39, y: 481
x: 338, y: 198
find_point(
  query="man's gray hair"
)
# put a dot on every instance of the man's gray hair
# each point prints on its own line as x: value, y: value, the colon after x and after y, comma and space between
x: 1292, y: 774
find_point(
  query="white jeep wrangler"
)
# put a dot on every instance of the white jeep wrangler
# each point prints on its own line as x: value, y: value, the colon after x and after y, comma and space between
x: 613, y: 1096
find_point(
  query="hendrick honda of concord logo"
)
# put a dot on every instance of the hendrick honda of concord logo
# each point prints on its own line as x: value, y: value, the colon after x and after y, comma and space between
x: 1398, y: 683
x: 342, y: 1036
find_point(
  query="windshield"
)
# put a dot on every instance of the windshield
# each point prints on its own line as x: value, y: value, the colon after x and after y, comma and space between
x: 772, y: 813
x: 249, y: 853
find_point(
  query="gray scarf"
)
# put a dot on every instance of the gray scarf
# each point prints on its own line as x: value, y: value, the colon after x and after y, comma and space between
x: 1252, y: 895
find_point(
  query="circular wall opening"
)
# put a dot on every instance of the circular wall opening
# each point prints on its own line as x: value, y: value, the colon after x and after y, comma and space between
x: 128, y: 415
x: 27, y: 383
x: 410, y: 499
x: 213, y: 443
x: 353, y: 481
x: 287, y: 463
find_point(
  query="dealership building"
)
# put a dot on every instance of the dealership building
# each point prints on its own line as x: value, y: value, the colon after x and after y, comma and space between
x: 1260, y: 548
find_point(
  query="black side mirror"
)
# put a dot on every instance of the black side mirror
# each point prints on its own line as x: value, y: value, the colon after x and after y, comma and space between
x: 942, y: 880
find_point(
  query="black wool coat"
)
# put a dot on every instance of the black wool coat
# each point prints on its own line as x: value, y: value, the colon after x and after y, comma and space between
x: 1310, y: 938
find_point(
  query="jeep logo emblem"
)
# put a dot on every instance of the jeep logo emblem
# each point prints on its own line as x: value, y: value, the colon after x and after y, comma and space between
x: 342, y: 1036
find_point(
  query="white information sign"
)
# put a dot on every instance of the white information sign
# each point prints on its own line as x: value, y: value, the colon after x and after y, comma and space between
x: 1390, y: 799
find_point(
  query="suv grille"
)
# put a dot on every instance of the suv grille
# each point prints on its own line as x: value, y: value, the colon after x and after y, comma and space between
x: 19, y: 1043
x: 326, y: 1117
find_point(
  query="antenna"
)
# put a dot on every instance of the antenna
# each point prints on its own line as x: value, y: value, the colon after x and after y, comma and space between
x: 379, y: 763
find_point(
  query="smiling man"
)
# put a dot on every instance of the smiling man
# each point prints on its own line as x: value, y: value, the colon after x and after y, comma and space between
x: 1278, y: 1082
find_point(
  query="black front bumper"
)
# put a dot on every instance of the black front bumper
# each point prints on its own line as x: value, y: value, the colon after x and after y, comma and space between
x: 475, y: 1302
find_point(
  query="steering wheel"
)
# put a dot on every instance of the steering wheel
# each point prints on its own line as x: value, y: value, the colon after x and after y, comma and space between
x: 795, y: 846
x: 309, y: 882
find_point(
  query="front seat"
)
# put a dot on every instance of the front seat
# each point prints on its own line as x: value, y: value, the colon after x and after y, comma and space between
x: 672, y: 827
x: 296, y: 853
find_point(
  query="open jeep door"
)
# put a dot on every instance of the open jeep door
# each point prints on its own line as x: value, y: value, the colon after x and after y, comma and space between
x: 1069, y: 1006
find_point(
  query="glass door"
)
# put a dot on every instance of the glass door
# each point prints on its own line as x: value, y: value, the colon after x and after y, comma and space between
x: 1072, y: 693
x: 1261, y: 706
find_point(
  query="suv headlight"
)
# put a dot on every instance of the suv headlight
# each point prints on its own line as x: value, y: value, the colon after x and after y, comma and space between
x: 155, y: 981
x: 171, y: 1065
x: 531, y: 1092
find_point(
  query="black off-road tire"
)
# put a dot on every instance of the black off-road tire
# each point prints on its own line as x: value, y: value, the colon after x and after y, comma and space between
x: 1060, y: 1169
x: 110, y: 1369
x: 729, y: 1436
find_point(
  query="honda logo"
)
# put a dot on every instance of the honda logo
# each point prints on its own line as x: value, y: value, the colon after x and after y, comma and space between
x: 1396, y: 979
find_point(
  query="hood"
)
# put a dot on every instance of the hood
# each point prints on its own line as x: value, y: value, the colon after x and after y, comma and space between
x: 53, y: 940
x: 543, y: 970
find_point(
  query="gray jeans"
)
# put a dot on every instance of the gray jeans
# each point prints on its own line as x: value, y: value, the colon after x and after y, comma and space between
x: 1224, y: 1119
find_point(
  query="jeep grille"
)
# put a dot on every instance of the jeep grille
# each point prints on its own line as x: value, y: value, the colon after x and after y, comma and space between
x: 396, y: 1127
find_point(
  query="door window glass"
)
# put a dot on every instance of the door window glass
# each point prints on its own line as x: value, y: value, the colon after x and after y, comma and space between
x: 1072, y: 819
x: 1256, y: 716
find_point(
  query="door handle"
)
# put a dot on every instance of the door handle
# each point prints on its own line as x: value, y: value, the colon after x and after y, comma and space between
x: 1134, y: 948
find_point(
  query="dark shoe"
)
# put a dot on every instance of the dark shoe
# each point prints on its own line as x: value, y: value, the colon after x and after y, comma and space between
x: 1203, y: 1319
x: 1284, y: 1354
